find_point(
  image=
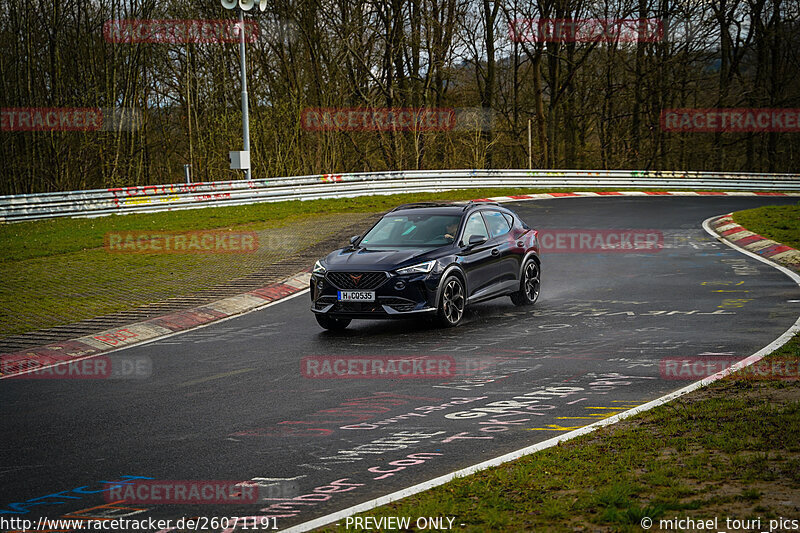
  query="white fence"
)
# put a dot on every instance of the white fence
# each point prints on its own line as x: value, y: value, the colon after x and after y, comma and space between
x: 152, y: 198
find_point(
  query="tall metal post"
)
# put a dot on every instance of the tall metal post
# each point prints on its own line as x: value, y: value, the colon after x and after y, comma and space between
x: 245, y: 117
x: 530, y: 152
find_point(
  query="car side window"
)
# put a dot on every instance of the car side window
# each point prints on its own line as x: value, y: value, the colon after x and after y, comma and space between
x: 498, y: 225
x: 474, y: 226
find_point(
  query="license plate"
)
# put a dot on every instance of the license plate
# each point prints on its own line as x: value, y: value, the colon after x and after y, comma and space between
x: 356, y: 296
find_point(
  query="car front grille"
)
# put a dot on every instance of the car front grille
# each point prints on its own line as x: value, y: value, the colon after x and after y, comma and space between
x: 357, y: 280
x: 357, y: 307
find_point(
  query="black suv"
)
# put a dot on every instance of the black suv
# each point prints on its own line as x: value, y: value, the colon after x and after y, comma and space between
x: 428, y: 259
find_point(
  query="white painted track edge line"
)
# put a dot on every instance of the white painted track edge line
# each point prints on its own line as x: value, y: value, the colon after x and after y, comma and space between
x: 160, y: 337
x: 221, y: 320
x: 441, y: 480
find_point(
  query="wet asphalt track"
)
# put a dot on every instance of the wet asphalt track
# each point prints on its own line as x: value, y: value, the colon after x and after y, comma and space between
x: 229, y: 401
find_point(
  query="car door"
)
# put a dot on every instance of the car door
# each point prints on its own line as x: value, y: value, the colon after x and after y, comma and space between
x: 476, y: 260
x: 505, y: 261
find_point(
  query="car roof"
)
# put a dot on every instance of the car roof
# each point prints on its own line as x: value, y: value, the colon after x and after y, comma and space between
x: 441, y: 208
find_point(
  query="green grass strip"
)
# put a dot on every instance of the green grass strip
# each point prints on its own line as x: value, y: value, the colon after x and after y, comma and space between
x: 780, y: 223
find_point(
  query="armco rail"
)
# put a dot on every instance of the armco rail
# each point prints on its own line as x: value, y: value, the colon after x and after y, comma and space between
x: 152, y: 198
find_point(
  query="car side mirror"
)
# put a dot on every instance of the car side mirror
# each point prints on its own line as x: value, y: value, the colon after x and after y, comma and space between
x: 475, y: 240
x: 354, y: 238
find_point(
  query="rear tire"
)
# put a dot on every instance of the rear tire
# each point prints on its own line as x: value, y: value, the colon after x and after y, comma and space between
x: 529, y: 284
x: 452, y: 303
x: 332, y: 324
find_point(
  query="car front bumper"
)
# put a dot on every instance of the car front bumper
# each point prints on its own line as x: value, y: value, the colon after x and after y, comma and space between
x: 397, y: 297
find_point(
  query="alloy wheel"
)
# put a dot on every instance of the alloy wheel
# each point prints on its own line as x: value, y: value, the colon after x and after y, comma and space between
x: 532, y: 282
x: 453, y: 301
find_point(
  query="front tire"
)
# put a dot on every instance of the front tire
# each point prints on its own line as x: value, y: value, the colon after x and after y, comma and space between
x: 452, y: 303
x: 529, y: 284
x: 332, y: 324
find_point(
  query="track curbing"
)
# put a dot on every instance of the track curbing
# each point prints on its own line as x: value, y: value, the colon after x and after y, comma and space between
x: 64, y: 352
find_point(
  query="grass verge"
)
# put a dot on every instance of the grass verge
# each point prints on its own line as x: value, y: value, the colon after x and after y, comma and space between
x: 780, y: 223
x: 52, y: 290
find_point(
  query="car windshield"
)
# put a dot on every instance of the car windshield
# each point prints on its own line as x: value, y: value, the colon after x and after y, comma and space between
x: 419, y: 230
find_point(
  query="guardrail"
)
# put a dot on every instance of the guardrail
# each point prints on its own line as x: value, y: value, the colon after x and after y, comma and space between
x: 151, y: 198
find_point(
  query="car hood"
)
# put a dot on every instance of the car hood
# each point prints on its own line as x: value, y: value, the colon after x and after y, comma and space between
x: 377, y: 258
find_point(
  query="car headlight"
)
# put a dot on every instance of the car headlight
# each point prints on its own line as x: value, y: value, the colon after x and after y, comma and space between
x: 421, y: 268
x: 319, y: 269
